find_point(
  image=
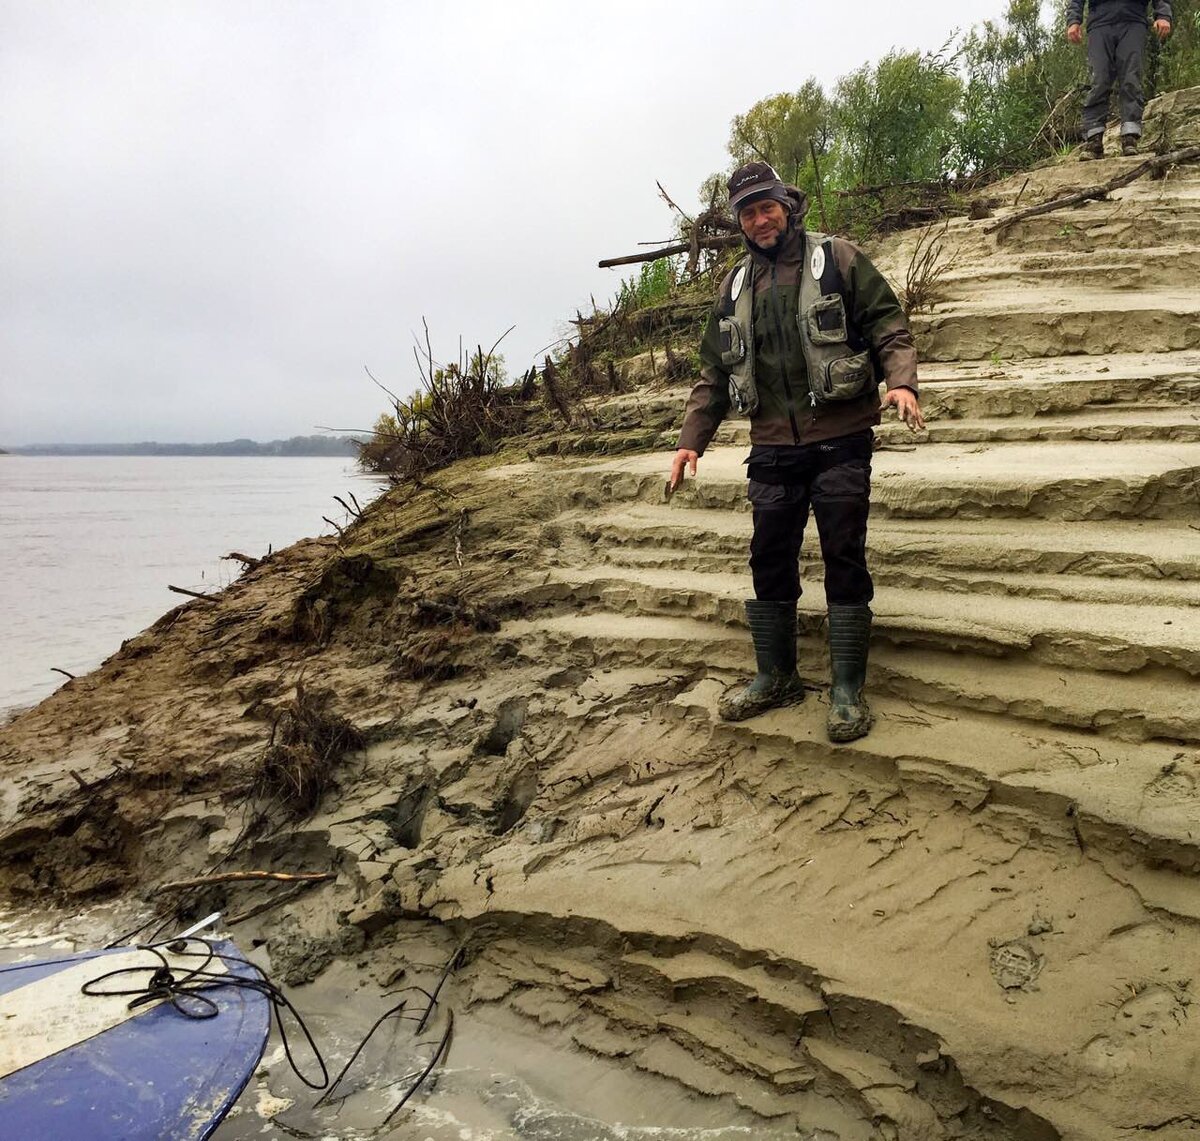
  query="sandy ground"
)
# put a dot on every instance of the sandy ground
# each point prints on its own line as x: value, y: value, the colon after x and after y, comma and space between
x: 489, y: 714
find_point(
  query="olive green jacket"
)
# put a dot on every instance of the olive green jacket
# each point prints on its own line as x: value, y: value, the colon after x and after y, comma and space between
x: 787, y: 414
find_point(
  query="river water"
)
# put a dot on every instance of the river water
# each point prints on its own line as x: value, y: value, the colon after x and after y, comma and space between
x: 88, y: 545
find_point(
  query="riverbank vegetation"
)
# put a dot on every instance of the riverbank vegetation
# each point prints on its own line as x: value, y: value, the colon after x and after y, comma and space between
x: 906, y: 141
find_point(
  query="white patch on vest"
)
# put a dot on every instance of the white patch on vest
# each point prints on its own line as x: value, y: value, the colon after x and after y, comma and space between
x: 739, y: 279
x: 817, y: 264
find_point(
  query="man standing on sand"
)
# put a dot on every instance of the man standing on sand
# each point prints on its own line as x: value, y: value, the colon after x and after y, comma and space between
x: 1116, y: 42
x: 803, y: 330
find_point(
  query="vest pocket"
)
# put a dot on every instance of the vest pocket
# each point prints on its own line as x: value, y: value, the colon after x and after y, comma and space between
x: 845, y: 378
x: 826, y: 321
x: 733, y: 342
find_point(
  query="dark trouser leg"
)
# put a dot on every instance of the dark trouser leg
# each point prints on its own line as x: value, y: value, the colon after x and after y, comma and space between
x: 780, y: 514
x: 1102, y: 57
x: 841, y: 502
x: 841, y: 498
x: 1130, y: 52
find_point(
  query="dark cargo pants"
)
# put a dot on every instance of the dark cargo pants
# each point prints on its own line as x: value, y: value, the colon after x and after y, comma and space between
x: 833, y: 479
x: 1115, y: 54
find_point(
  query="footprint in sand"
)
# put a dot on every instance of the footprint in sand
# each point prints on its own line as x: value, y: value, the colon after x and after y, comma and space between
x: 1141, y: 1026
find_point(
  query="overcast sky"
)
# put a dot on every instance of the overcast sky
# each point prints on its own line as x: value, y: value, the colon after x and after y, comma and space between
x: 215, y: 212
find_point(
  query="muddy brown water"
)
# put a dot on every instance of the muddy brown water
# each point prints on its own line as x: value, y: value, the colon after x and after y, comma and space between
x: 499, y: 1081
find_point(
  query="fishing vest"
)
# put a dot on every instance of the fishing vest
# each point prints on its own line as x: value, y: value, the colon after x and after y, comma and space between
x: 839, y: 364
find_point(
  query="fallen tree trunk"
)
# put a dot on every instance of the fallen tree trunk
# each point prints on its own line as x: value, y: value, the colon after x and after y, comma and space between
x: 720, y: 242
x: 1160, y: 162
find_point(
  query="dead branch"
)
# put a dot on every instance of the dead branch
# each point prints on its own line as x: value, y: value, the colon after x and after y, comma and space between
x: 718, y: 242
x: 667, y: 199
x: 395, y: 398
x: 552, y: 390
x: 247, y: 561
x: 1150, y: 166
x: 68, y: 676
x: 245, y: 877
x: 348, y: 509
x: 927, y: 269
x: 340, y: 530
x: 192, y: 593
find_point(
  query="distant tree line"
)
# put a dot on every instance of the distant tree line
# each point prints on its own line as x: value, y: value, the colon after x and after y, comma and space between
x: 293, y: 446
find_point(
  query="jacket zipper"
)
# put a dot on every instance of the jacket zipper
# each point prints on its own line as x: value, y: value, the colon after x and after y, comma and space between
x: 787, y: 384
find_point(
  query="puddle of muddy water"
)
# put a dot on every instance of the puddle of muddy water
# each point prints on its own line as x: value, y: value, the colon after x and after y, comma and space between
x: 503, y: 1078
x: 502, y: 1081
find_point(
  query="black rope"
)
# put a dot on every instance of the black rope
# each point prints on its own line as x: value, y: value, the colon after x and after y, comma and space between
x: 450, y: 966
x: 358, y: 1050
x: 185, y: 990
x: 442, y: 1046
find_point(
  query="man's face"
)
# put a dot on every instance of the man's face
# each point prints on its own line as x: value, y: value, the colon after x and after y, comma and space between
x: 763, y: 222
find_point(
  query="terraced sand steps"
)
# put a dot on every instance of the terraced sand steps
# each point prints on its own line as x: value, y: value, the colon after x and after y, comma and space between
x: 1066, y: 481
x: 1131, y: 422
x: 1037, y: 558
x: 1133, y: 705
x: 1057, y: 385
x: 1070, y: 270
x: 1045, y: 321
x: 1158, y: 266
x: 1108, y: 637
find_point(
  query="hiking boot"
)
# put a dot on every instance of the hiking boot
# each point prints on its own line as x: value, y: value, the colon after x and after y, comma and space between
x: 773, y: 631
x: 1129, y: 145
x: 849, y: 638
x: 1092, y: 148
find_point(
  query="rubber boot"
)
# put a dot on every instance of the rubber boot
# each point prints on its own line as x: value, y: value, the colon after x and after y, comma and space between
x: 1129, y: 145
x: 849, y: 639
x: 1092, y: 148
x: 773, y: 630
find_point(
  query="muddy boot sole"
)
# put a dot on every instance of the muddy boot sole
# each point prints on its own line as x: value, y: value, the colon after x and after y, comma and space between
x: 737, y: 705
x: 839, y: 731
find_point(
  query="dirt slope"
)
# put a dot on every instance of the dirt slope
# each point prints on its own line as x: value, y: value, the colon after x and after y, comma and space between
x: 981, y: 921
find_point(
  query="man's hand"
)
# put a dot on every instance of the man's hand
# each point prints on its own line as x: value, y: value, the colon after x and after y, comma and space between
x: 906, y: 404
x: 1162, y: 28
x: 1075, y: 34
x: 682, y: 457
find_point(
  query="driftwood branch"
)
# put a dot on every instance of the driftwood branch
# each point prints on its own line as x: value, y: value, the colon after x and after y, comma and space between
x: 720, y: 242
x: 241, y: 877
x: 1150, y: 166
x: 192, y: 593
x: 68, y: 676
x: 247, y: 561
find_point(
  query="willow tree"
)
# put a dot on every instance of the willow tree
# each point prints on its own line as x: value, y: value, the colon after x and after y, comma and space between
x: 894, y: 120
x: 783, y: 130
